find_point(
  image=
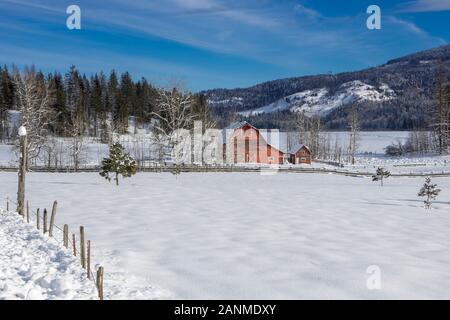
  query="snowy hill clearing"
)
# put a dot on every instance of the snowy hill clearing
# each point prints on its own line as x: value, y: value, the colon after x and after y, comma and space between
x: 321, y: 102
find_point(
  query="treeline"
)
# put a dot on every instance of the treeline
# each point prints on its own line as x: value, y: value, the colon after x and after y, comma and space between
x: 95, y: 105
x: 436, y: 136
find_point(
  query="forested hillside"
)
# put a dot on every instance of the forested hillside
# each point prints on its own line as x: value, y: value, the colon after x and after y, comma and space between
x: 73, y: 104
x: 410, y: 80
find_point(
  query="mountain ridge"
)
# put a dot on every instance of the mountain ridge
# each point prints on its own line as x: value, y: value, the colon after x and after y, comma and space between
x: 409, y: 77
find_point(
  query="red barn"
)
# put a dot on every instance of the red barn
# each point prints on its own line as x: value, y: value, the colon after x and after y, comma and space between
x: 243, y: 143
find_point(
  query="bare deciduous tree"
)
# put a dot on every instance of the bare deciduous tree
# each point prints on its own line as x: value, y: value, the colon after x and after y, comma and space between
x: 353, y: 121
x: 441, y: 110
x: 173, y: 114
x: 34, y: 97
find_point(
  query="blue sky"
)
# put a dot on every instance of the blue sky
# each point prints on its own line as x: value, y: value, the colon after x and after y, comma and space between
x: 217, y: 43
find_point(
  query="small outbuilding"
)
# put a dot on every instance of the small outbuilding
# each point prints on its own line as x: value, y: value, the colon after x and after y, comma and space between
x: 300, y: 154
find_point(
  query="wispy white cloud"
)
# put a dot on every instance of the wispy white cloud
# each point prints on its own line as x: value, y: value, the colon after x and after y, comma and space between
x: 426, y: 6
x: 311, y: 13
x: 413, y: 28
x: 31, y: 4
x: 287, y: 34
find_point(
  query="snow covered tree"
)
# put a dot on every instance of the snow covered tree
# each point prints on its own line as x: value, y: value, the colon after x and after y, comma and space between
x: 353, y: 121
x: 34, y: 97
x: 174, y: 113
x: 430, y: 191
x: 118, y: 163
x: 380, y: 175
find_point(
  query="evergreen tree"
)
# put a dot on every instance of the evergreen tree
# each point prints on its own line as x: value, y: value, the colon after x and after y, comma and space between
x: 145, y: 102
x: 3, y: 114
x: 380, y: 175
x: 97, y: 108
x: 200, y: 108
x: 125, y: 103
x: 59, y: 127
x: 430, y: 191
x: 7, y: 93
x: 112, y: 92
x: 118, y: 163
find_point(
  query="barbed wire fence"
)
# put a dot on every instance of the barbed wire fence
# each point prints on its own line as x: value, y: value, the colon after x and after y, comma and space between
x: 62, y: 237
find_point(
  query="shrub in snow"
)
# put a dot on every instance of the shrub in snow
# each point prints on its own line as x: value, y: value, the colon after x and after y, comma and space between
x: 380, y: 175
x: 118, y: 162
x: 430, y: 191
x: 176, y: 170
x: 395, y: 150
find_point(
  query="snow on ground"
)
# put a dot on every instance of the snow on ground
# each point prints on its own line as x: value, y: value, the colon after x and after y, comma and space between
x: 252, y: 236
x: 409, y: 164
x: 33, y: 266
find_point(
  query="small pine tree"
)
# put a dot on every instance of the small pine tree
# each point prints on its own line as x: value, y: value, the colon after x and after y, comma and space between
x: 118, y: 162
x: 380, y: 175
x: 430, y: 191
x: 176, y: 170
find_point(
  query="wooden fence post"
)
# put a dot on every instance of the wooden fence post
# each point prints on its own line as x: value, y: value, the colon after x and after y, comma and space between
x: 100, y: 282
x: 38, y: 220
x: 28, y: 212
x: 22, y: 171
x: 52, y: 218
x: 45, y: 221
x: 82, y: 248
x: 89, y: 259
x: 66, y: 236
x: 74, y: 245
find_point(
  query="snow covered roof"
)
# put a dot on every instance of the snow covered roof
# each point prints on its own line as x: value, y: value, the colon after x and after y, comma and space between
x: 295, y: 148
x: 237, y: 125
x: 228, y: 131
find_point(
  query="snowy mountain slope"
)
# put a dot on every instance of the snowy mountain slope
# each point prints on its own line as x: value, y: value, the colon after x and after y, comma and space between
x: 321, y: 102
x: 35, y: 267
x: 411, y: 77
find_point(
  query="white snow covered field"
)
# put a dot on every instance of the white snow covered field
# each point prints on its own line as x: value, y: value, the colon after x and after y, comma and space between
x: 252, y: 236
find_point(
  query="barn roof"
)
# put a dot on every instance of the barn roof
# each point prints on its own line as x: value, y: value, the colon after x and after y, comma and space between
x: 237, y: 125
x: 295, y: 148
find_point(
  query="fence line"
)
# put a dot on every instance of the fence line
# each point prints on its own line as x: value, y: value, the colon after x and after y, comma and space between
x: 234, y: 168
x: 90, y: 274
